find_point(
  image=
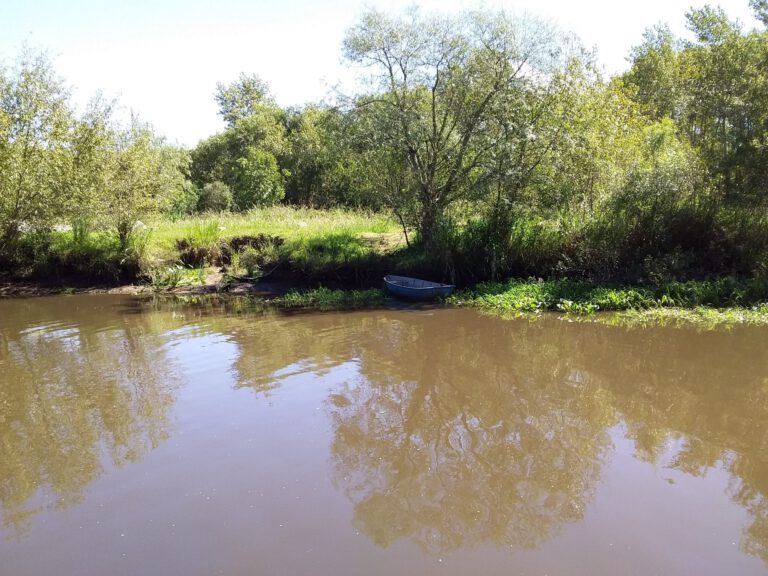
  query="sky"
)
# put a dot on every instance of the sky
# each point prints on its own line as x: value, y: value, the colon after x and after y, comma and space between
x: 162, y: 59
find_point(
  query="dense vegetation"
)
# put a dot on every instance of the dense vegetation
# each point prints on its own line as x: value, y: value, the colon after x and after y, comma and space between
x: 493, y: 142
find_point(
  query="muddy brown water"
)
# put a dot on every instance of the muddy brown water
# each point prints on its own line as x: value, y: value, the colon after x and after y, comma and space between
x: 139, y: 437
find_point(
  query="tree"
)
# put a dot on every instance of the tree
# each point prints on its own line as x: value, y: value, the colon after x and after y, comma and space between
x: 714, y: 88
x: 143, y: 176
x: 438, y: 80
x: 241, y: 98
x: 34, y: 128
x: 242, y: 157
x: 259, y: 180
x: 181, y: 195
x: 725, y: 92
x: 655, y: 73
x: 321, y: 155
x: 760, y: 8
x: 308, y: 148
x: 80, y: 178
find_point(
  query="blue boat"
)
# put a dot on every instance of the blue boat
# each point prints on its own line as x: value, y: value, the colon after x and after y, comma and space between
x: 416, y: 289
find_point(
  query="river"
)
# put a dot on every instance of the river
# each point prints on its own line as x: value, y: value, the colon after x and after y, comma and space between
x: 147, y: 436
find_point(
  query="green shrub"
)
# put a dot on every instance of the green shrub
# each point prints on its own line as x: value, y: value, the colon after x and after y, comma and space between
x: 215, y: 197
x: 249, y: 259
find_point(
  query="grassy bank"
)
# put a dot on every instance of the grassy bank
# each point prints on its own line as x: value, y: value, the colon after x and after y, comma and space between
x: 303, y: 249
x: 706, y: 303
x: 585, y: 297
x: 305, y: 244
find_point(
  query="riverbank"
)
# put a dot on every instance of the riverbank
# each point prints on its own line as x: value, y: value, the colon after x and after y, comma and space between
x: 335, y: 259
x: 705, y: 304
x: 302, y: 246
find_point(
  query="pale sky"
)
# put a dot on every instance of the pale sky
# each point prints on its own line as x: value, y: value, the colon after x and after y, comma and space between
x: 163, y: 58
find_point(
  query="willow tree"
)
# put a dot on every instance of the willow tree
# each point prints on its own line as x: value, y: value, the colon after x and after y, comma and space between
x: 143, y: 176
x: 80, y: 178
x: 34, y: 131
x: 435, y: 83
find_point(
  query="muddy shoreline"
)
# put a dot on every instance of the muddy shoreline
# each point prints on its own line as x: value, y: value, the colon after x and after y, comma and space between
x: 263, y: 289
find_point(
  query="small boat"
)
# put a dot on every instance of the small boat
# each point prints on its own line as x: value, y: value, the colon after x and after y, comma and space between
x: 416, y: 289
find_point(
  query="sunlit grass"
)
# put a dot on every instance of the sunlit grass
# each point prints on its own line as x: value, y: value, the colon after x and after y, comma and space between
x: 292, y: 224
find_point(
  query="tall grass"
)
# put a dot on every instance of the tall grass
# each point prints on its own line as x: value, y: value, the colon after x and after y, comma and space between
x: 203, y: 233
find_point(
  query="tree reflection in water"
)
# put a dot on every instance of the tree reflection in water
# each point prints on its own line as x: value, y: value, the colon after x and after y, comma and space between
x: 452, y: 438
x: 86, y: 391
x: 484, y: 431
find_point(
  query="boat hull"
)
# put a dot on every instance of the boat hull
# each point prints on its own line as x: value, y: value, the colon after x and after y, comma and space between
x: 416, y: 289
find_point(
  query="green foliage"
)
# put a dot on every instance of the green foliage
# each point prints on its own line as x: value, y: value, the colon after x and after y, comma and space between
x: 322, y: 160
x: 35, y: 121
x: 478, y: 95
x: 166, y: 277
x: 760, y: 8
x: 586, y: 298
x: 701, y: 317
x: 203, y: 233
x: 246, y: 157
x: 328, y: 252
x: 137, y: 249
x: 240, y: 99
x: 249, y: 259
x: 201, y: 243
x: 143, y: 177
x: 259, y: 181
x: 656, y: 73
x: 81, y: 177
x: 215, y: 197
x: 326, y: 299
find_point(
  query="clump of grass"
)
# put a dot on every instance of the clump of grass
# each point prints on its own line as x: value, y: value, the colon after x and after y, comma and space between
x: 137, y: 248
x: 201, y: 243
x: 249, y: 259
x: 203, y: 233
x: 234, y: 263
x: 326, y: 299
x: 166, y: 277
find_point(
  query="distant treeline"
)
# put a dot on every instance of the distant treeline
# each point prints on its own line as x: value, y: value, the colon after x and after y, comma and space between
x: 493, y: 139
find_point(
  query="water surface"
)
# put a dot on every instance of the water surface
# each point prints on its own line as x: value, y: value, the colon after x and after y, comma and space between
x: 149, y: 437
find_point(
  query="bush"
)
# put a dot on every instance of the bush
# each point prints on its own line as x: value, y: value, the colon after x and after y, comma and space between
x: 215, y: 197
x: 249, y: 259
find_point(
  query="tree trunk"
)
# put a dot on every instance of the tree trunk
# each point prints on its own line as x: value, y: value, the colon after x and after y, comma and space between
x: 428, y: 227
x: 123, y: 230
x: 8, y: 238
